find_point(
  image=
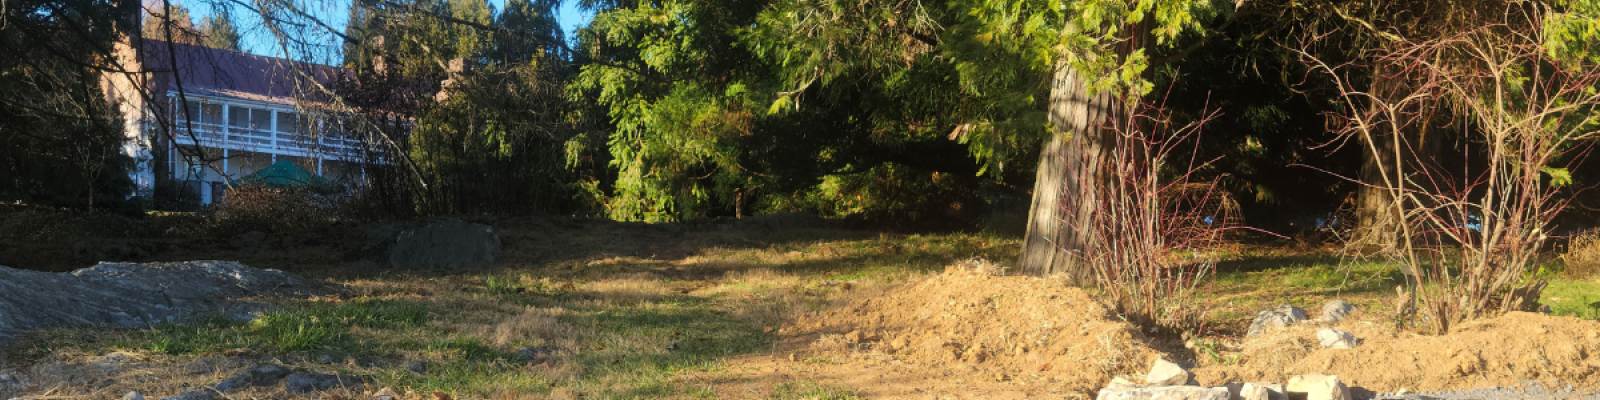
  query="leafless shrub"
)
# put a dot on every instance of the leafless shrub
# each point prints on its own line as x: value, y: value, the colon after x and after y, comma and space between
x: 1153, y: 228
x: 1468, y: 236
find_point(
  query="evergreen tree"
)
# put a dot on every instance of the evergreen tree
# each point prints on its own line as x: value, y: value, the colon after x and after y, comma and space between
x: 219, y: 32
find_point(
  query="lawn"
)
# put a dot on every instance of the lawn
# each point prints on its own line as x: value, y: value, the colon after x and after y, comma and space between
x: 620, y: 320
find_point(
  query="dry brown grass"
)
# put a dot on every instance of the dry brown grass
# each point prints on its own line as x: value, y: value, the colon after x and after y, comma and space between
x: 1582, y: 256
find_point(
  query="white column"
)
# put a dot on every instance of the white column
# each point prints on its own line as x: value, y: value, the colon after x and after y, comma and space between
x: 272, y: 127
x: 227, y: 127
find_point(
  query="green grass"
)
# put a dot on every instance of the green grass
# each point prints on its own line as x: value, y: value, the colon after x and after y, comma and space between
x: 810, y: 391
x: 694, y: 318
x: 1579, y: 298
x: 299, y: 327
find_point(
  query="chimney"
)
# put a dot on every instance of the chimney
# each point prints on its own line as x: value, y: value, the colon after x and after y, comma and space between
x: 130, y: 19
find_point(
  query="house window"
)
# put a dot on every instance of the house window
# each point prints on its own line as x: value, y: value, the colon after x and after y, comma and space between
x: 249, y: 118
x: 203, y: 112
x: 288, y: 122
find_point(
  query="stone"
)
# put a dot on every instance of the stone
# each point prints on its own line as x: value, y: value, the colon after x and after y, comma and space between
x: 1262, y: 391
x: 1120, y: 383
x: 445, y: 244
x: 133, y: 396
x: 1276, y: 318
x: 311, y: 382
x: 1335, y: 311
x: 1317, y: 387
x: 417, y: 366
x: 137, y: 295
x: 385, y: 394
x: 1167, y: 373
x: 259, y: 376
x: 1337, y: 339
x: 1164, y: 393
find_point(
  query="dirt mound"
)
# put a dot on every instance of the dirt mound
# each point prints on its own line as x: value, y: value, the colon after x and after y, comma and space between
x: 969, y: 322
x: 1503, y: 351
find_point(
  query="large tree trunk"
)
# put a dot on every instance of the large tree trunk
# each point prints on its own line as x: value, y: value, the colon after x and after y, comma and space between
x: 1062, y: 220
x: 1378, y: 218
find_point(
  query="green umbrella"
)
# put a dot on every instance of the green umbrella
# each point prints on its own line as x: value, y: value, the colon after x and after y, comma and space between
x: 285, y: 174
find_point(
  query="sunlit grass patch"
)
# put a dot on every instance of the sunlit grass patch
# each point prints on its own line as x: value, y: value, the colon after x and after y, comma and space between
x: 299, y: 327
x: 810, y: 391
x: 1579, y: 298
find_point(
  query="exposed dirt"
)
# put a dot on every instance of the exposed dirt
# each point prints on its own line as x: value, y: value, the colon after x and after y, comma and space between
x: 1503, y: 351
x: 967, y: 333
x: 963, y: 333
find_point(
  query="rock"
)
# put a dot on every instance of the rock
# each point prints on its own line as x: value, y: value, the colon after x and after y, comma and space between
x: 133, y: 396
x: 1120, y: 383
x: 1164, y: 393
x: 536, y: 354
x: 310, y: 382
x: 1335, y: 310
x: 1167, y: 373
x: 1262, y: 391
x: 260, y: 376
x: 136, y: 295
x: 1318, y: 387
x: 1276, y: 318
x: 417, y: 366
x: 385, y: 394
x: 447, y: 244
x: 1337, y: 339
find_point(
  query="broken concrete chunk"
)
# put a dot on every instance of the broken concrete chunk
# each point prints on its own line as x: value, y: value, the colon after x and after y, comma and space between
x: 1167, y: 373
x: 1276, y: 318
x: 1164, y: 393
x: 1318, y: 387
x: 1337, y: 339
x: 1335, y: 311
x: 1262, y: 391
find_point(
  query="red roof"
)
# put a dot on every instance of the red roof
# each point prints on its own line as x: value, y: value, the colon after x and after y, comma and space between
x: 223, y: 73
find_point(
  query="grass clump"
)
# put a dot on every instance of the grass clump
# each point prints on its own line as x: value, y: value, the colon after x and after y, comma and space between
x: 810, y: 391
x: 299, y: 327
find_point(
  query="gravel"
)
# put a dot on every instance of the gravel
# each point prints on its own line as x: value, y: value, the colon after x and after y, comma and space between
x: 1530, y: 390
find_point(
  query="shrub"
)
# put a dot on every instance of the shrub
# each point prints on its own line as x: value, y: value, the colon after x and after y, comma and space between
x: 248, y: 208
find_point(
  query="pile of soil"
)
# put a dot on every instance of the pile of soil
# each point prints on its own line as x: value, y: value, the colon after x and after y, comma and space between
x: 969, y: 322
x: 1504, y: 351
x: 969, y: 330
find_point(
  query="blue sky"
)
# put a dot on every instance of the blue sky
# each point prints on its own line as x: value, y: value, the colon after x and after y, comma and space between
x: 335, y: 13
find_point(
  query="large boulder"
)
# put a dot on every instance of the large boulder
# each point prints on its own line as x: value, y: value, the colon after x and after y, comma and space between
x: 445, y: 244
x: 136, y: 295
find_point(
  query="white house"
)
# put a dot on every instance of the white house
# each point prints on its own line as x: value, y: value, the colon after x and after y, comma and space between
x: 197, y: 118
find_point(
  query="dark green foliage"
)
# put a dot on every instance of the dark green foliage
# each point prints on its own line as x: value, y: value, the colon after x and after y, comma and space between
x: 491, y: 122
x: 60, y: 142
